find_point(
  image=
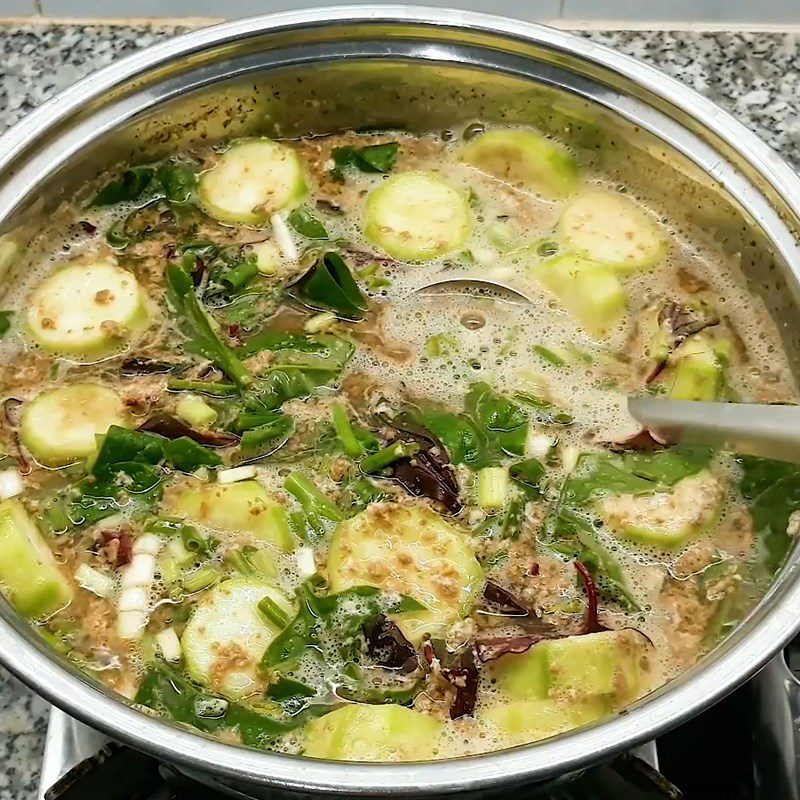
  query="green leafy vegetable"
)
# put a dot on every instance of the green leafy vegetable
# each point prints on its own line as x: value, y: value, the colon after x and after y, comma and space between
x: 306, y: 224
x: 282, y: 340
x: 130, y: 186
x: 379, y: 158
x: 173, y: 182
x: 6, y: 318
x: 126, y: 469
x: 167, y: 691
x: 268, y: 436
x: 345, y: 612
x: 528, y: 475
x: 195, y: 325
x: 329, y: 285
x: 772, y: 489
x: 178, y: 182
x: 597, y: 474
x: 492, y: 428
x: 599, y: 560
x: 544, y: 411
x: 502, y: 422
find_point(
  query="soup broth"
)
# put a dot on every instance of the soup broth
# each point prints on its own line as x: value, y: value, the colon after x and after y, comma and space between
x: 321, y: 446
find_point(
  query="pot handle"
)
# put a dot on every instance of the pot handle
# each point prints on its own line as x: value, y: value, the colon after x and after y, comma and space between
x: 776, y: 728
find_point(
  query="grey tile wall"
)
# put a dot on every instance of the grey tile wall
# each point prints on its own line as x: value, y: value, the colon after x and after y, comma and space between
x: 17, y: 8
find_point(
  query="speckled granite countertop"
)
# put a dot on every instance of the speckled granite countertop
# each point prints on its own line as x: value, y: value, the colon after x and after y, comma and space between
x: 755, y: 76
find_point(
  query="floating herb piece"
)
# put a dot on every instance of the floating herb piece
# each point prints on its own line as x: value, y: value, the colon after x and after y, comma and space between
x: 329, y: 285
x: 166, y: 690
x: 195, y: 325
x: 773, y: 491
x: 306, y: 224
x: 173, y: 182
x: 379, y: 158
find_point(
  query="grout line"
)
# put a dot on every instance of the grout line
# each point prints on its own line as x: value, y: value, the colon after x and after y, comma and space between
x: 561, y: 22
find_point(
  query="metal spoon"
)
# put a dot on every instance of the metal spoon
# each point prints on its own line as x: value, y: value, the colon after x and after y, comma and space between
x: 471, y: 287
x: 747, y: 428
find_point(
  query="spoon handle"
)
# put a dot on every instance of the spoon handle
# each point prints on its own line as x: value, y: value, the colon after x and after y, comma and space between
x: 752, y: 429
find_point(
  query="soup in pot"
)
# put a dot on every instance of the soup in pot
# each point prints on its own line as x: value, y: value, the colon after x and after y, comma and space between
x: 321, y: 446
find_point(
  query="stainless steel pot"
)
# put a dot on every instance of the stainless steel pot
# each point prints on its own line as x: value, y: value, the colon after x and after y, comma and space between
x: 323, y: 70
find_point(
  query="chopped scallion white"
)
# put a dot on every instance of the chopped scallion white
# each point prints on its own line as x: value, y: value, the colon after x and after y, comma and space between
x: 306, y: 565
x: 11, y: 483
x: 284, y: 237
x: 94, y: 581
x: 169, y: 644
x: 319, y: 322
x: 236, y: 474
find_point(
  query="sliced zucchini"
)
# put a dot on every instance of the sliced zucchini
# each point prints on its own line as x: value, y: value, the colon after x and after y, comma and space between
x: 666, y: 519
x: 608, y: 227
x: 694, y: 371
x: 413, y: 551
x: 373, y: 733
x: 416, y: 216
x: 227, y: 635
x: 524, y: 159
x: 251, y: 181
x: 60, y: 425
x: 532, y: 720
x: 29, y: 575
x: 87, y: 310
x: 243, y: 507
x: 588, y: 290
x: 610, y: 664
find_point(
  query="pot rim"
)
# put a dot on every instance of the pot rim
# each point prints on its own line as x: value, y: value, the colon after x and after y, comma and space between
x: 745, y: 651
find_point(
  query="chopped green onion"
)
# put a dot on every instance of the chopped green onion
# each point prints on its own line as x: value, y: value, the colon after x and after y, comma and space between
x: 273, y: 612
x: 170, y: 570
x: 213, y: 388
x: 492, y: 487
x: 250, y: 560
x: 344, y: 430
x: 193, y: 540
x: 440, y: 344
x: 388, y: 455
x: 311, y: 498
x: 165, y: 526
x: 201, y: 578
x: 547, y: 248
x: 238, y: 561
x: 548, y: 355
